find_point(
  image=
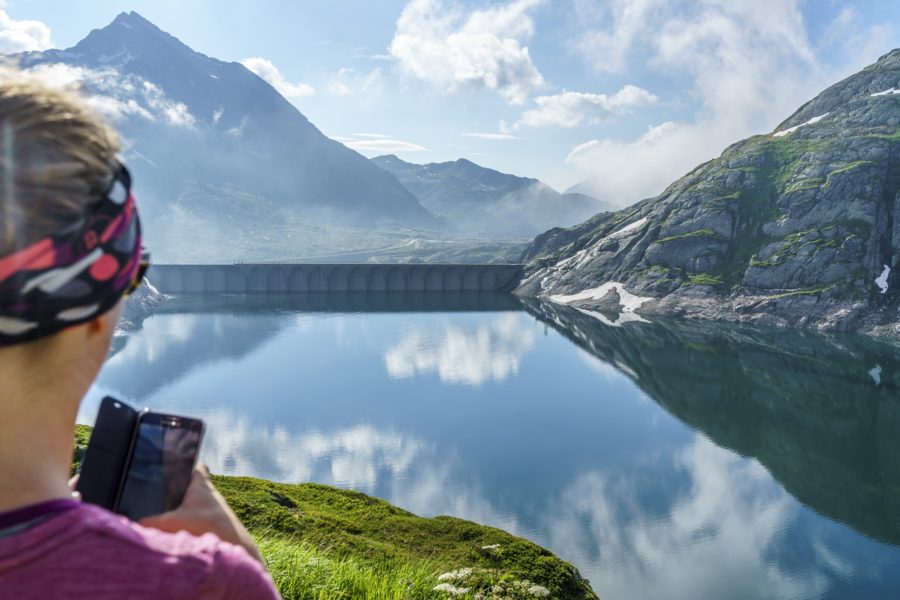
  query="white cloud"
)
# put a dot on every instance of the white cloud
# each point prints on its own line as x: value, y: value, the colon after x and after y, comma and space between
x: 176, y: 113
x: 350, y: 82
x: 444, y: 45
x: 570, y: 109
x: 385, y: 145
x: 749, y: 65
x: 270, y: 73
x: 463, y: 356
x: 630, y: 171
x: 22, y: 36
x: 491, y: 136
x: 117, y: 96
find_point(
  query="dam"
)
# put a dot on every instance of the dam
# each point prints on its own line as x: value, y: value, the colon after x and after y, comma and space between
x: 304, y: 278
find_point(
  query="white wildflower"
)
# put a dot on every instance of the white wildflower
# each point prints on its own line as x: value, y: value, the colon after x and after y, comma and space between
x: 451, y: 589
x: 454, y: 575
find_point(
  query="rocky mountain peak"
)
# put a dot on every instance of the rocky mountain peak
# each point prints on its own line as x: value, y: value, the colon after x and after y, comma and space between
x: 129, y: 34
x: 891, y: 60
x: 133, y: 19
x: 799, y: 226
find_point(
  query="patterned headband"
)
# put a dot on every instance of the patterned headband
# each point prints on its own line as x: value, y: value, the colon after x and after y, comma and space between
x: 74, y: 275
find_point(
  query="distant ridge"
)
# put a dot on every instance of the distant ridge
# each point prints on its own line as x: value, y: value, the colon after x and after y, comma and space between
x: 480, y: 201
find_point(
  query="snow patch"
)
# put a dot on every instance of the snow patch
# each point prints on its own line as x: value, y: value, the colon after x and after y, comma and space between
x: 625, y: 317
x: 583, y: 256
x: 629, y: 301
x: 119, y: 59
x: 624, y: 231
x: 885, y: 93
x: 882, y: 280
x: 875, y: 374
x: 812, y: 121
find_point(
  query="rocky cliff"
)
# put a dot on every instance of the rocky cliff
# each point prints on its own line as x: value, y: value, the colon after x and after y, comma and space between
x: 796, y: 227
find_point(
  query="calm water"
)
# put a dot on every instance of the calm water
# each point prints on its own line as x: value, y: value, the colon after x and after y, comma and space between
x: 665, y: 460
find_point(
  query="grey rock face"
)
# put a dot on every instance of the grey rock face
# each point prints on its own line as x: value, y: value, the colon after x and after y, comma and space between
x: 796, y: 227
x: 140, y: 305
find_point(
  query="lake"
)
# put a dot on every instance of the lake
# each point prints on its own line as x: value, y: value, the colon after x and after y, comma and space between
x: 664, y: 459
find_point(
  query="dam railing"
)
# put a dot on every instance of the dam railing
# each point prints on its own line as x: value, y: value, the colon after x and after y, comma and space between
x: 303, y: 278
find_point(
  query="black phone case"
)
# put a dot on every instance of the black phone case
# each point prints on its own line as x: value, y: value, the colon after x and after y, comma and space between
x: 107, y: 452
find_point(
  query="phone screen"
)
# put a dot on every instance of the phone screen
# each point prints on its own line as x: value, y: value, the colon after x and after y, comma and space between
x: 162, y: 461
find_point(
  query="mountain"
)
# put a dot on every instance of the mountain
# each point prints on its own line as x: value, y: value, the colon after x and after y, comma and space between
x: 796, y: 227
x: 479, y: 201
x: 218, y: 154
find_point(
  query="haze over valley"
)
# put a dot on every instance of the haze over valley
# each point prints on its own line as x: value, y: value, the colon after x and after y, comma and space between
x: 229, y: 170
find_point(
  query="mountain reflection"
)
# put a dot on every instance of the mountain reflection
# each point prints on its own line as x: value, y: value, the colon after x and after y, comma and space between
x: 807, y: 406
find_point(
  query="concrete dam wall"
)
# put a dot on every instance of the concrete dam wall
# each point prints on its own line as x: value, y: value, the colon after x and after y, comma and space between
x: 304, y: 278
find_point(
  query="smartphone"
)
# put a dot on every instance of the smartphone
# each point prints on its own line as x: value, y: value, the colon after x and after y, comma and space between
x: 106, y: 455
x: 160, y: 465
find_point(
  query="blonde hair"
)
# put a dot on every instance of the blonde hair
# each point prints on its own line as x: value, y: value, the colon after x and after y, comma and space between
x: 57, y: 157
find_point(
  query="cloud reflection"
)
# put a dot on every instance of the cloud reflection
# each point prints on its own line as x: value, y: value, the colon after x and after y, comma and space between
x: 721, y: 538
x: 352, y: 457
x: 464, y: 356
x: 721, y: 534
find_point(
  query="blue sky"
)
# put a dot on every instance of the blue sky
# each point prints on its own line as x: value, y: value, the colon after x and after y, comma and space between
x: 631, y: 92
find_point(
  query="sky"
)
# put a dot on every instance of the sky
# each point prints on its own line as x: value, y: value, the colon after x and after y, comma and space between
x: 631, y: 93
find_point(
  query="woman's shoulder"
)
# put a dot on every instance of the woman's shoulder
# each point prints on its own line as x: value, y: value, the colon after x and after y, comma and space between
x: 96, y: 551
x: 219, y: 564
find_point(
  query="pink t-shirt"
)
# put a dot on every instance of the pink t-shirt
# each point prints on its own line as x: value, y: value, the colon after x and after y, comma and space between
x: 87, y: 552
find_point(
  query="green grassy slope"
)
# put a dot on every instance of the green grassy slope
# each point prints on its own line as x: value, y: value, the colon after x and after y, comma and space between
x: 324, y: 543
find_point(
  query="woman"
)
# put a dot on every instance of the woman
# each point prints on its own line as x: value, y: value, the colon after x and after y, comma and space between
x: 70, y: 251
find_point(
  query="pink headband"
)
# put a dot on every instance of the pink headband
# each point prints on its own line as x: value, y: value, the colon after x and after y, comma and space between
x: 74, y: 275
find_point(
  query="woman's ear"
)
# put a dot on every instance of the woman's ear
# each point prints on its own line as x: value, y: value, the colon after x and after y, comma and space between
x: 97, y: 326
x: 106, y: 323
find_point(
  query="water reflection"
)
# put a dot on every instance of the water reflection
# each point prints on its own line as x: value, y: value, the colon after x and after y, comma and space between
x: 805, y: 405
x: 731, y: 521
x: 491, y: 416
x: 462, y: 356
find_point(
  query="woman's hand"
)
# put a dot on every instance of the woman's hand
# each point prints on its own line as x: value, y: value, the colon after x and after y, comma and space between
x: 204, y: 510
x: 73, y: 483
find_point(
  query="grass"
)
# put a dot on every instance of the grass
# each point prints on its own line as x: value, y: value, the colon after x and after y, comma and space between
x: 848, y: 167
x: 704, y: 279
x: 891, y: 137
x: 806, y: 292
x: 805, y: 184
x: 303, y: 571
x: 699, y: 233
x: 325, y: 543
